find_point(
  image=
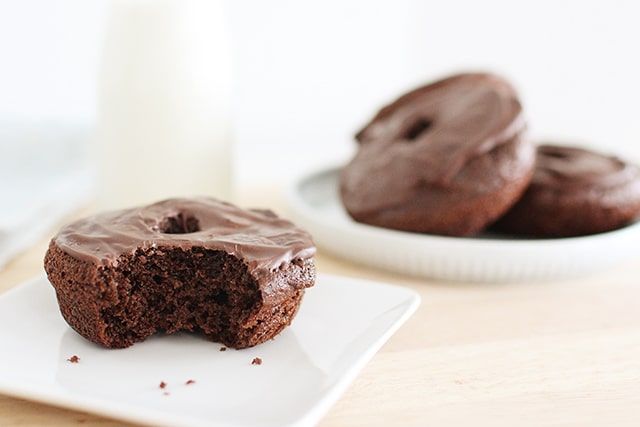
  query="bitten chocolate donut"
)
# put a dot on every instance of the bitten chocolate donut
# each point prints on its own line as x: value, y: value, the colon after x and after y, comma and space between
x: 575, y: 192
x: 447, y: 158
x: 237, y: 276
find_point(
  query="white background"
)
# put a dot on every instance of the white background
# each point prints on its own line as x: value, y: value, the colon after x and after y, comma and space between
x: 309, y: 74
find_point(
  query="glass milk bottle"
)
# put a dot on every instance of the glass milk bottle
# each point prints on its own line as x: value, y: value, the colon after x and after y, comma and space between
x: 164, y: 114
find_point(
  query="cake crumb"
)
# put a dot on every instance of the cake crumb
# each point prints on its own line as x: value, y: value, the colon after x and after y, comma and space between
x: 166, y: 393
x: 163, y: 384
x: 256, y: 361
x: 189, y: 382
x: 73, y: 359
x: 223, y: 348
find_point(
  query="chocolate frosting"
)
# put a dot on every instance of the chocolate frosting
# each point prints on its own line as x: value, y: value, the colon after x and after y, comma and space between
x: 427, y: 136
x: 259, y: 238
x: 569, y: 168
x: 574, y: 192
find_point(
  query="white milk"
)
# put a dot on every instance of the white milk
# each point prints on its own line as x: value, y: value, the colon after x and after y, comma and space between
x: 164, y: 117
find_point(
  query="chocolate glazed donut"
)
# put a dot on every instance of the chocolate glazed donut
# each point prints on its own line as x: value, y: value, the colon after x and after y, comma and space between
x: 448, y: 158
x: 236, y: 276
x: 575, y: 192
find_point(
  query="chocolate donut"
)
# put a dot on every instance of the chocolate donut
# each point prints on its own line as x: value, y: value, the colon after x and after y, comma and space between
x: 447, y: 158
x: 575, y: 192
x: 237, y: 276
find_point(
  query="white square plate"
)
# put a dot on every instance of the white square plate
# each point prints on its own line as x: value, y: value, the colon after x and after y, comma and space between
x: 341, y: 324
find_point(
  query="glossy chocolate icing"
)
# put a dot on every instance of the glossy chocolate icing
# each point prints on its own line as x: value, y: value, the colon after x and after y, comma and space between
x: 569, y: 168
x: 427, y: 137
x: 574, y: 192
x: 445, y: 124
x: 260, y: 238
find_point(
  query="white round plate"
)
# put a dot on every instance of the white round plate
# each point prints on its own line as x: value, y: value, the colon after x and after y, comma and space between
x: 315, y: 205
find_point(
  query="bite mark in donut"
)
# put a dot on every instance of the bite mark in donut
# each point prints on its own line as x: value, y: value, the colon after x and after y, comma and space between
x: 236, y: 276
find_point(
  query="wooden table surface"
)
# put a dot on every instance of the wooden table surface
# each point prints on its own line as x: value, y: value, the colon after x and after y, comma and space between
x: 561, y: 353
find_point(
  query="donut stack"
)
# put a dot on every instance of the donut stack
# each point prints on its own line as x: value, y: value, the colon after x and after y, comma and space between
x: 453, y: 158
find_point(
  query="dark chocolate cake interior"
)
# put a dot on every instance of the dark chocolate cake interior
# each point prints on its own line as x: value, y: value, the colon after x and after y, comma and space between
x: 172, y: 290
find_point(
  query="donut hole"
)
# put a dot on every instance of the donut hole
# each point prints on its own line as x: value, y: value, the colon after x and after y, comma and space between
x: 179, y: 224
x: 556, y: 155
x: 417, y: 128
